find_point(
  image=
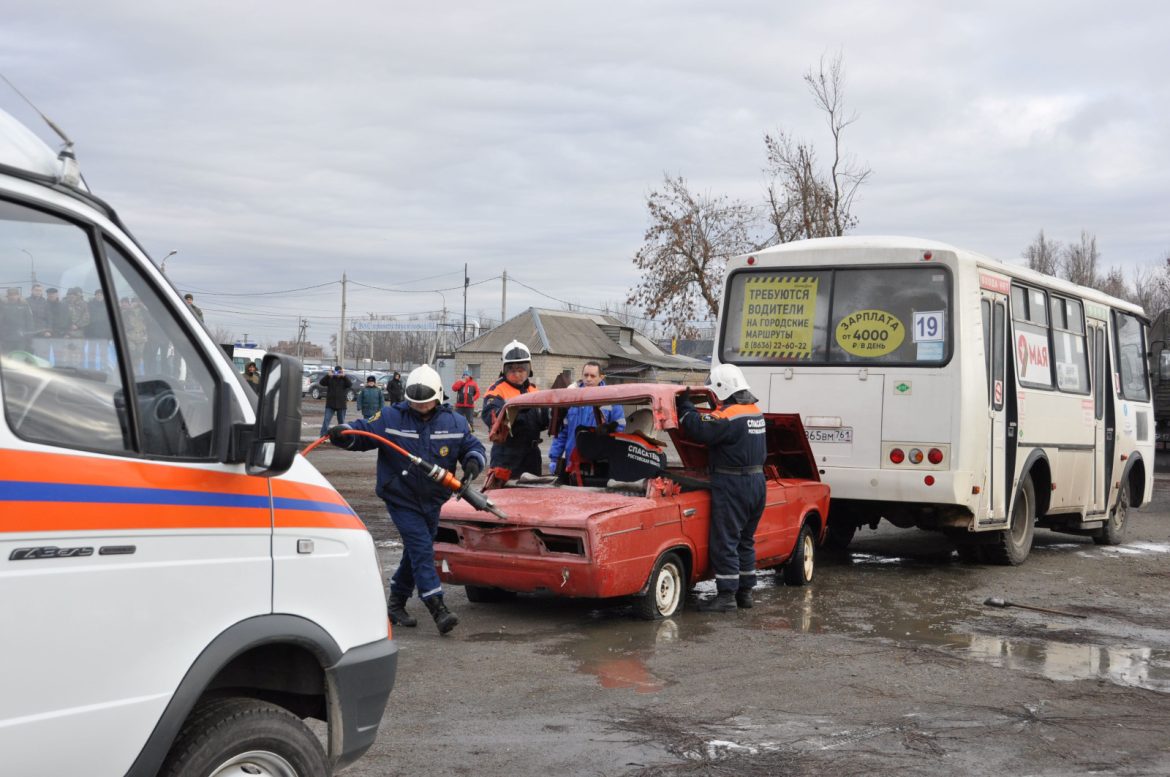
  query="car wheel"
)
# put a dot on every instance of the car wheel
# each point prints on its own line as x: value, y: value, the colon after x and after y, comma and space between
x: 1011, y: 546
x: 1113, y: 532
x: 349, y: 396
x: 244, y: 736
x: 315, y: 392
x: 664, y: 595
x: 483, y: 594
x: 802, y: 563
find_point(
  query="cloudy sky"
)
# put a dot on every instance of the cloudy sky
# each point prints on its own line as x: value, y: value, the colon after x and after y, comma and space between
x: 276, y: 145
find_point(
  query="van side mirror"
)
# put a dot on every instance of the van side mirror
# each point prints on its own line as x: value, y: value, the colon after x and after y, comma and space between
x: 278, y: 417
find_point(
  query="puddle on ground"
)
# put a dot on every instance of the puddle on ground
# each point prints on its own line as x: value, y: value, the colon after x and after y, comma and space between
x: 616, y: 652
x: 932, y: 606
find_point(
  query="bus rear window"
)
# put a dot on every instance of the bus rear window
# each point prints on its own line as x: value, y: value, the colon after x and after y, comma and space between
x: 897, y: 315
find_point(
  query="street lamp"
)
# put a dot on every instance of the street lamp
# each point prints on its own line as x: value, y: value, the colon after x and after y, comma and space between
x: 32, y: 265
x: 163, y: 267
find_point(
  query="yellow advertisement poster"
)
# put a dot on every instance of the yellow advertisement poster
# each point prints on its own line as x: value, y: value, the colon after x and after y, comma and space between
x: 778, y: 316
x: 870, y: 333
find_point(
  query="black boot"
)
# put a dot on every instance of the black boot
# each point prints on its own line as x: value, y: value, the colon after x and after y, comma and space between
x: 743, y: 598
x: 396, y: 609
x: 724, y: 601
x: 444, y: 618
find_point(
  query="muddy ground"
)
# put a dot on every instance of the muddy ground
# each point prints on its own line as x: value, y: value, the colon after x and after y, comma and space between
x: 888, y: 664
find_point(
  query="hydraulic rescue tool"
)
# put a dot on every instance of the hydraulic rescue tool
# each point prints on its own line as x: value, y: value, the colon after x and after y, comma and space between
x: 447, y: 480
x: 995, y: 601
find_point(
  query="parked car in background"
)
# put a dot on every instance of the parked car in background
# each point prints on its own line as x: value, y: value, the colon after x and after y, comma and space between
x: 586, y: 535
x: 317, y: 391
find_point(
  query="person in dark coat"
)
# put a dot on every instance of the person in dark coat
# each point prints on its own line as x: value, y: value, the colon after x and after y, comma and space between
x: 395, y: 390
x: 736, y: 438
x: 336, y: 386
x: 370, y: 400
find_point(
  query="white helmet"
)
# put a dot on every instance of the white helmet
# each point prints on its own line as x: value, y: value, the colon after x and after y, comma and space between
x: 641, y: 422
x: 514, y: 352
x: 726, y: 379
x: 423, y: 384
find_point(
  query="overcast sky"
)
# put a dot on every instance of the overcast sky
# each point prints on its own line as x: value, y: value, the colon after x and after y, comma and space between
x: 276, y: 145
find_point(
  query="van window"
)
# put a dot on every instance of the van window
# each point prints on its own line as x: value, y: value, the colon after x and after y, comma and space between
x: 173, y: 386
x: 59, y: 364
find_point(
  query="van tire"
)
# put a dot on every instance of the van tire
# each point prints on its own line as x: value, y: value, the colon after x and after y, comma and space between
x: 1113, y: 532
x: 222, y: 735
x: 1011, y: 546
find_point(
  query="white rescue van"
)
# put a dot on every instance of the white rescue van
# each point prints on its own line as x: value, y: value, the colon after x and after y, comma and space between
x: 179, y: 589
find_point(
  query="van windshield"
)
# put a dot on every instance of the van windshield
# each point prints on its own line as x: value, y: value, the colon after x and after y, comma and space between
x: 867, y: 315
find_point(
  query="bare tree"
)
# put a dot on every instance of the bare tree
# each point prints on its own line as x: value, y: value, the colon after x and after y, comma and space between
x: 684, y: 256
x: 1080, y: 261
x: 1150, y: 287
x: 1043, y: 255
x: 803, y: 202
x: 223, y: 335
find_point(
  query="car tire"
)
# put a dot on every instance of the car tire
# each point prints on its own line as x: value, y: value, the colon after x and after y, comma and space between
x: 801, y: 565
x: 1010, y: 547
x: 666, y: 590
x: 483, y: 594
x: 244, y: 736
x: 1113, y: 532
x: 349, y: 395
x: 315, y: 392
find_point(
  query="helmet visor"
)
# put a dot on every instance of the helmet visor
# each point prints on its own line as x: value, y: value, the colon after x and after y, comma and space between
x: 417, y: 392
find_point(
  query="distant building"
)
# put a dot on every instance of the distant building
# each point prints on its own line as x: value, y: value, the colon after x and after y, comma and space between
x: 561, y: 341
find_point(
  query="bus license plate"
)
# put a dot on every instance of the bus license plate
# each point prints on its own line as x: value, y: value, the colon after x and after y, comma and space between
x: 840, y: 434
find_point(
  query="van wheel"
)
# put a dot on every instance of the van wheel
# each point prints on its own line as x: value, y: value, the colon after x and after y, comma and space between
x: 1113, y: 532
x: 483, y: 594
x: 802, y: 564
x: 244, y: 736
x: 1011, y: 546
x: 664, y: 595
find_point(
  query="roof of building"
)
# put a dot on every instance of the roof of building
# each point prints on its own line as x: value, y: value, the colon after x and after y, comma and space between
x: 571, y: 333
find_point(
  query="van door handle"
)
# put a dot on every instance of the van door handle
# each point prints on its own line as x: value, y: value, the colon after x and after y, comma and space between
x: 304, y: 546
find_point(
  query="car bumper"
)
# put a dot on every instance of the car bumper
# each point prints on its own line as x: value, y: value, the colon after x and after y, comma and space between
x: 362, y: 681
x: 566, y: 576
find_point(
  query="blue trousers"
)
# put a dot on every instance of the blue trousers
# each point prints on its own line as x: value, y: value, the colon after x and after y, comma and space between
x: 737, y: 503
x: 329, y: 412
x: 417, y: 568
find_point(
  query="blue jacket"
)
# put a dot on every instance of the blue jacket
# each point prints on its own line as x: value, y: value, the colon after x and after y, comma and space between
x: 583, y: 415
x: 370, y: 401
x: 442, y: 439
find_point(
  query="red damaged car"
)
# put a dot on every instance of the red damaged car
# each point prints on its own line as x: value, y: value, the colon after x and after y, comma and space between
x: 585, y: 534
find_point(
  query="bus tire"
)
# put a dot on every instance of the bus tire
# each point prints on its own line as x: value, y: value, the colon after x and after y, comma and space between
x: 1011, y: 546
x: 840, y: 534
x: 1113, y: 532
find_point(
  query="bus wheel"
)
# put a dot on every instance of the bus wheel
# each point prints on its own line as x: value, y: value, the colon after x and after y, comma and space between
x: 840, y: 534
x: 1011, y: 546
x: 1113, y: 532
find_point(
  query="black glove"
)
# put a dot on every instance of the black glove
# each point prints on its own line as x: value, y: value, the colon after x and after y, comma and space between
x: 337, y: 438
x: 471, y: 470
x: 683, y: 405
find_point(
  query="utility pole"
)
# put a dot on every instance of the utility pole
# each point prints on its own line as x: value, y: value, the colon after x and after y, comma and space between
x: 341, y: 330
x: 302, y: 325
x: 466, y: 281
x: 504, y: 299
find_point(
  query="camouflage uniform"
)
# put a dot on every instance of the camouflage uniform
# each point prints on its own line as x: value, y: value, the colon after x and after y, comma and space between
x: 78, y: 313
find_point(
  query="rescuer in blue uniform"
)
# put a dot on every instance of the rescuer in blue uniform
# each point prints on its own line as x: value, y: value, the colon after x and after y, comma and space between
x: 735, y: 436
x: 437, y: 434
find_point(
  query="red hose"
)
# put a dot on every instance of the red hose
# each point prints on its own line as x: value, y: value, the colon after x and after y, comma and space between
x: 371, y: 435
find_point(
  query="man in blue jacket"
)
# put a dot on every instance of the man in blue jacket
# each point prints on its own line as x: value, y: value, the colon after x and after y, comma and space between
x: 437, y: 434
x: 566, y: 440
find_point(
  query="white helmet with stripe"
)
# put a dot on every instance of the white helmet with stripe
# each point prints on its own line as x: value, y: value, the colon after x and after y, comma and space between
x: 727, y: 379
x: 515, y: 352
x: 423, y: 384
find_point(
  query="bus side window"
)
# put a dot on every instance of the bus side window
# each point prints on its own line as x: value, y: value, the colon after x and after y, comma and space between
x: 1099, y: 376
x: 985, y: 309
x: 1131, y: 359
x: 998, y: 325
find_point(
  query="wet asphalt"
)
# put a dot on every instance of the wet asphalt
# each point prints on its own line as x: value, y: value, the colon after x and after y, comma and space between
x: 888, y: 663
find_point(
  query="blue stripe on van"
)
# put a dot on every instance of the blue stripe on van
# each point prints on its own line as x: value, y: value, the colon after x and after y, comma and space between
x: 28, y: 491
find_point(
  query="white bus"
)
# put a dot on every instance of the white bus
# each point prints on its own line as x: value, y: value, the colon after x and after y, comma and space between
x: 949, y: 391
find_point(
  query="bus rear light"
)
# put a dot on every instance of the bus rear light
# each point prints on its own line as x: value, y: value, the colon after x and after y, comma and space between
x: 926, y: 257
x: 935, y: 456
x: 751, y: 260
x: 897, y: 455
x: 928, y: 480
x: 915, y: 456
